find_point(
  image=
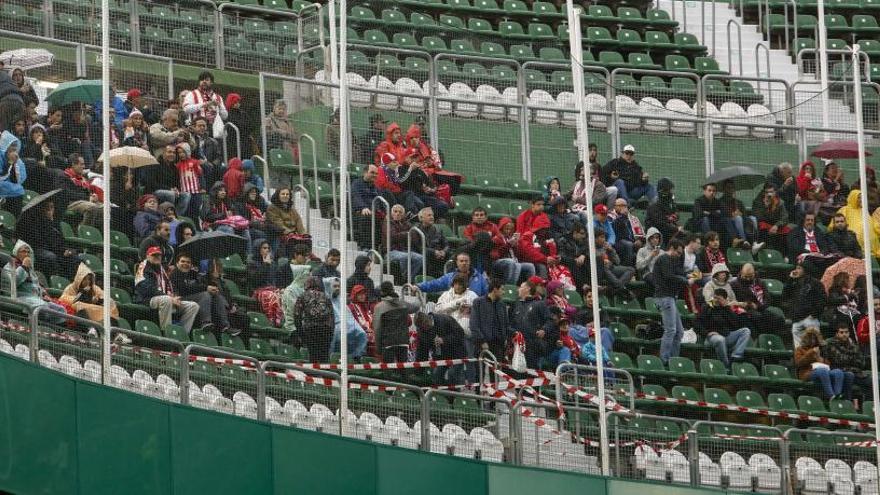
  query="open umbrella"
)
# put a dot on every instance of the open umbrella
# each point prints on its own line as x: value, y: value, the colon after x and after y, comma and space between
x: 27, y: 58
x: 37, y: 200
x: 79, y: 91
x: 838, y: 149
x: 214, y: 245
x: 130, y: 156
x: 743, y: 177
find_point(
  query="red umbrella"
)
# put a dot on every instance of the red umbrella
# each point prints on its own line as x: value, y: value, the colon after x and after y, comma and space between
x: 838, y: 149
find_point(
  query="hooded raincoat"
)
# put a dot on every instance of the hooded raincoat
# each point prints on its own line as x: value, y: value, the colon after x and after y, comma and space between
x: 12, y: 175
x: 90, y: 302
x: 292, y: 292
x: 853, y: 213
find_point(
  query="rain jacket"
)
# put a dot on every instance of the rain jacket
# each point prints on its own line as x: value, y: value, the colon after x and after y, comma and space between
x: 424, y: 153
x: 233, y: 179
x: 478, y: 282
x: 644, y: 260
x: 853, y: 213
x: 504, y: 246
x: 357, y: 336
x: 284, y: 218
x: 255, y: 179
x: 27, y: 285
x: 809, y: 188
x: 528, y: 220
x: 12, y: 175
x: 91, y: 303
x: 291, y: 293
x: 388, y: 146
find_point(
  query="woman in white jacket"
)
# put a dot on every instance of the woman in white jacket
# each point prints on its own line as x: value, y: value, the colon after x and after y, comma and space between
x: 457, y: 302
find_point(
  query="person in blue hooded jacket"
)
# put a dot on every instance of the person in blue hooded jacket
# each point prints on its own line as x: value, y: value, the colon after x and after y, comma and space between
x: 357, y: 337
x: 251, y: 176
x: 12, y: 173
x: 479, y: 282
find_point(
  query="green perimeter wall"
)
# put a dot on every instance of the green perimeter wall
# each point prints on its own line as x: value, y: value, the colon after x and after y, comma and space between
x: 59, y: 435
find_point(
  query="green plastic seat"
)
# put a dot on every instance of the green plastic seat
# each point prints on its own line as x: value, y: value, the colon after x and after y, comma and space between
x: 511, y: 29
x: 749, y: 398
x: 806, y: 23
x: 746, y: 372
x: 622, y: 360
x: 842, y: 408
x: 545, y: 9
x: 404, y: 40
x: 770, y: 342
x: 715, y: 370
x: 393, y: 17
x: 260, y: 346
x: 522, y: 52
x: 614, y: 60
x: 452, y: 22
x: 644, y: 61
x: 479, y: 25
x: 422, y: 21
x: 650, y: 364
x: 629, y: 39
x: 508, y: 293
x: 492, y: 49
x: 204, y: 338
x: 375, y: 37
x: 660, y: 19
x: 600, y: 37
x: 811, y: 404
x: 236, y: 342
x: 631, y: 16
x: 539, y: 31
x: 865, y: 24
x: 516, y: 7
x: 773, y: 260
x: 464, y: 47
x: 738, y: 257
x: 707, y: 65
x: 684, y: 392
x: 780, y: 376
x: 682, y: 367
x: 687, y: 43
x: 836, y: 24
x: 717, y: 396
x: 601, y: 13
x: 782, y: 402
x: 658, y: 40
x: 551, y: 54
x: 176, y: 332
x: 677, y: 63
x: 415, y: 64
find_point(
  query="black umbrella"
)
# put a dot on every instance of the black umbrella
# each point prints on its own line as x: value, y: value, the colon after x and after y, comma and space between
x: 743, y: 177
x: 214, y: 245
x: 37, y: 200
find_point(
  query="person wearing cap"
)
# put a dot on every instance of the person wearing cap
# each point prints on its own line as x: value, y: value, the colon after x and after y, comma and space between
x: 245, y: 125
x: 389, y: 183
x: 628, y: 232
x: 80, y: 195
x: 391, y: 324
x: 207, y: 150
x: 602, y: 221
x: 153, y: 287
x: 203, y: 101
x: 625, y: 173
x: 160, y: 238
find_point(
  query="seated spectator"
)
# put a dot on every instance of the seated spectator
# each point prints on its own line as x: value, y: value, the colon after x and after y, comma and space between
x: 708, y: 212
x: 167, y: 132
x: 812, y: 366
x: 581, y: 327
x: 725, y: 329
x: 12, y: 173
x: 712, y: 254
x: 390, y: 182
x: 556, y: 298
x: 627, y: 176
x: 807, y: 244
x: 435, y: 242
x: 783, y: 181
x: 843, y: 353
x: 505, y: 261
x: 611, y: 272
x: 552, y: 189
x: 628, y: 232
x: 478, y: 282
x: 300, y: 270
x: 366, y: 144
x: 806, y: 300
x: 249, y: 168
x: 391, y: 324
x: 457, y: 302
x: 170, y: 216
x: 489, y: 321
x: 80, y: 195
x: 479, y: 223
x: 163, y: 180
x: 720, y: 280
x: 263, y: 268
x: 528, y: 315
x: 577, y: 197
x: 393, y: 144
x: 38, y: 149
x: 220, y: 214
x: 314, y: 320
x: 203, y: 101
x: 362, y: 311
x: 153, y: 287
x: 846, y: 241
x: 601, y: 220
x: 283, y: 220
x: 190, y: 287
x: 742, y: 228
x: 752, y: 293
x: 363, y: 266
x: 397, y: 252
x: 86, y: 297
x: 692, y: 244
x: 663, y: 214
x: 416, y: 183
x: 363, y: 192
x: 772, y: 215
x: 253, y: 208
x: 535, y: 214
x: 330, y: 267
x: 574, y: 253
x: 160, y: 238
x: 135, y: 102
x: 844, y: 306
x: 124, y: 194
x: 853, y: 214
x: 185, y: 231
x: 41, y: 231
x: 561, y: 220
x: 136, y: 131
x: 567, y: 350
x: 24, y: 87
x: 22, y: 269
x: 356, y: 341
x: 647, y: 255
x: 441, y: 338
x: 836, y: 190
x: 537, y: 247
x: 810, y: 190
x: 207, y: 151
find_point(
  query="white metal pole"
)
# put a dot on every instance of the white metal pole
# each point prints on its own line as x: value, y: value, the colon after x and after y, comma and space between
x: 334, y: 69
x: 577, y: 78
x: 866, y: 236
x: 823, y: 62
x: 344, y: 136
x: 105, y: 140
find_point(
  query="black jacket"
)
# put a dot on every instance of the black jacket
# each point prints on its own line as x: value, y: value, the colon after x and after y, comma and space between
x: 362, y: 194
x: 630, y: 173
x: 845, y: 241
x: 797, y: 240
x: 706, y: 207
x: 148, y: 288
x: 489, y: 321
x: 165, y: 246
x: 663, y: 215
x: 325, y: 271
x: 668, y: 276
x: 528, y: 317
x: 161, y: 176
x: 452, y: 334
x: 721, y: 320
x: 186, y: 284
x: 744, y: 293
x: 805, y: 297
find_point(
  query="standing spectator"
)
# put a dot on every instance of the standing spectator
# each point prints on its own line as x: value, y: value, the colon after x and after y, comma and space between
x: 397, y: 251
x: 477, y: 280
x: 783, y: 182
x: 663, y: 214
x: 245, y: 136
x: 153, y: 287
x: 772, y: 215
x: 489, y: 322
x: 190, y: 287
x: 611, y: 271
x: 283, y: 220
x: 843, y: 353
x: 627, y: 176
x: 330, y: 267
x: 809, y: 188
x: 435, y: 242
x: 362, y: 311
x: 506, y: 261
x: 12, y: 173
x: 806, y: 297
x: 574, y: 253
x: 708, y: 213
x: 233, y: 179
x: 80, y: 195
x: 752, y: 293
x: 725, y: 330
x: 12, y: 105
x: 812, y: 366
x: 363, y: 266
x: 163, y: 180
x: 160, y: 238
x: 28, y: 95
x: 457, y: 302
x: 204, y: 102
x: 845, y: 240
x: 207, y: 151
x: 314, y: 320
x: 669, y: 280
x: 299, y: 269
x: 628, y: 231
x: 528, y: 315
x: 647, y: 256
x: 167, y: 132
x: 279, y: 129
x: 356, y: 342
x: 392, y: 144
x: 441, y: 338
x: 535, y: 214
x: 391, y: 324
x: 363, y: 192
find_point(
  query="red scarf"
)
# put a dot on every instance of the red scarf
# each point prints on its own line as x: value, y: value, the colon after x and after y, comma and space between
x: 255, y: 212
x: 811, y: 244
x: 757, y: 291
x: 82, y: 182
x: 713, y: 258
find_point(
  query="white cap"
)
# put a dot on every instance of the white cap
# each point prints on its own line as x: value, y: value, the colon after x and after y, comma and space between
x: 629, y: 147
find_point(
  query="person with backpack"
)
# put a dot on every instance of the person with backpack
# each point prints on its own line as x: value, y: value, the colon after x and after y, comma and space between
x: 313, y: 316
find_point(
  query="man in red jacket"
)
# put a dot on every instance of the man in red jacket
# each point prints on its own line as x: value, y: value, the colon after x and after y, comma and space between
x: 393, y: 144
x: 480, y: 223
x: 527, y: 219
x: 537, y: 247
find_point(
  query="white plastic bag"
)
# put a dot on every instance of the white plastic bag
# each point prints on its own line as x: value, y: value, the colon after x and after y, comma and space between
x: 219, y: 129
x: 518, y: 363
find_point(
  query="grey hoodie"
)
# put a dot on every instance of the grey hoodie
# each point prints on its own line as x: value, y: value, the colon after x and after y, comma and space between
x: 390, y: 323
x: 644, y: 260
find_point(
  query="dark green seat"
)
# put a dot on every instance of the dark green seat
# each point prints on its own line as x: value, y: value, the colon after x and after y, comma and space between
x: 176, y: 332
x: 677, y: 63
x: 738, y: 257
x: 650, y: 365
x: 715, y: 371
x: 747, y: 372
x: 204, y: 338
x: 658, y: 40
x: 600, y: 37
x: 622, y: 360
x: 717, y: 396
x: 684, y: 392
x: 749, y: 398
x: 688, y: 44
x: 682, y: 367
x: 655, y: 390
x: 780, y: 377
x: 782, y: 402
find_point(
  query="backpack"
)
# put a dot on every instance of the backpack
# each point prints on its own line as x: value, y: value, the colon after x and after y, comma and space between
x: 317, y: 310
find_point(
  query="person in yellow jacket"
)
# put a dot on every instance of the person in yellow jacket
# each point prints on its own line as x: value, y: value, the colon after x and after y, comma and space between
x: 853, y: 213
x: 86, y: 297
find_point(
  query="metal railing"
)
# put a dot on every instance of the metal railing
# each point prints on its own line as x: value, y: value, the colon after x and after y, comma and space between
x: 387, y: 227
x: 308, y: 214
x: 421, y: 234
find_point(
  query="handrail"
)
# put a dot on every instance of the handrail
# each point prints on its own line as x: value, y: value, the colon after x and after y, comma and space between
x: 334, y: 223
x: 265, y: 174
x: 387, y: 227
x: 213, y: 351
x: 758, y: 80
x: 793, y: 26
x: 302, y: 189
x: 800, y: 61
x: 299, y: 157
x: 608, y: 371
x: 305, y: 371
x: 426, y: 409
x: 34, y: 321
x: 425, y: 429
x: 378, y: 255
x: 421, y: 234
x: 739, y: 43
x: 758, y: 48
x: 237, y: 141
x: 516, y: 427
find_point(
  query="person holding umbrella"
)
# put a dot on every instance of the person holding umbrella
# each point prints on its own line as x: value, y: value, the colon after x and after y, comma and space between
x: 38, y: 227
x: 153, y: 287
